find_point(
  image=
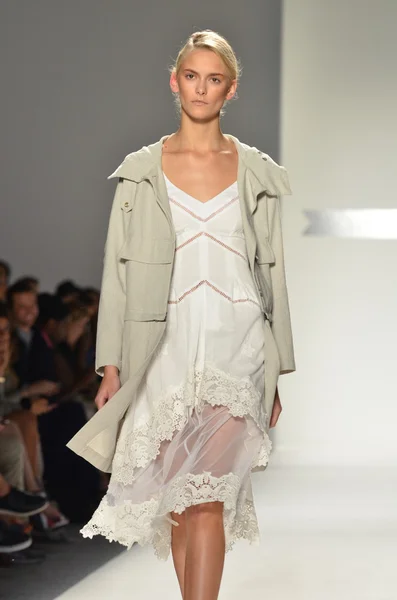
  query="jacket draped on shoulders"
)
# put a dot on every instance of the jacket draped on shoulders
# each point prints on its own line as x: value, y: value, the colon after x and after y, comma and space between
x: 138, y: 260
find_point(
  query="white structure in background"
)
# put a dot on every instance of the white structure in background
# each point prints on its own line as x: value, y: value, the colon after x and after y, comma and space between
x: 339, y: 144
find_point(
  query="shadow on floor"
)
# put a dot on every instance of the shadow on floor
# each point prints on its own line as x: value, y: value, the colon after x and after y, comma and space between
x: 65, y: 565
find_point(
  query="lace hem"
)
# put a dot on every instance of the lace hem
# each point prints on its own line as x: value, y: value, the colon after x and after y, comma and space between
x: 150, y: 523
x: 208, y: 386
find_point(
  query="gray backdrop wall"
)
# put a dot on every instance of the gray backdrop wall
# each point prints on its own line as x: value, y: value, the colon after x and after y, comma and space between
x: 86, y: 82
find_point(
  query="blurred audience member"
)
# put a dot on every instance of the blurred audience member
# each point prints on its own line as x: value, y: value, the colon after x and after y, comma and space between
x: 89, y: 298
x: 30, y: 281
x: 5, y: 273
x: 74, y: 371
x: 68, y: 292
x: 13, y: 401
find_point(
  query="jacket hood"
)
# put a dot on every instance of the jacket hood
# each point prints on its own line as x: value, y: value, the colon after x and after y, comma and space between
x: 143, y: 163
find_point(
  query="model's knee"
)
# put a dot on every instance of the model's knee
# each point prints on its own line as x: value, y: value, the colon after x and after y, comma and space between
x: 205, y: 510
x: 178, y: 518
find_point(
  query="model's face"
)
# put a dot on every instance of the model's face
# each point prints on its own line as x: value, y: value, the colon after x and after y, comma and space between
x: 24, y: 309
x: 203, y: 84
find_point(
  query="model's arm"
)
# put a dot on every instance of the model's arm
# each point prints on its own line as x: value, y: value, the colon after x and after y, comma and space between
x: 281, y: 322
x: 113, y: 291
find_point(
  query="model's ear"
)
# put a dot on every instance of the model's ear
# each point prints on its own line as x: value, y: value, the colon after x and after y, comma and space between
x: 174, y: 83
x: 232, y: 90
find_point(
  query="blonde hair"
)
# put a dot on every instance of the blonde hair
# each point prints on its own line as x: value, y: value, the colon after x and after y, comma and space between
x: 209, y: 40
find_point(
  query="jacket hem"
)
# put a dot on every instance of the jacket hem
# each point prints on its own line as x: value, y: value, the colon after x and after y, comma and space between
x: 99, y: 461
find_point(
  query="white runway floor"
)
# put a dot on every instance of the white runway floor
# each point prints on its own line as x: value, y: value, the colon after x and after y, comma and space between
x: 327, y: 534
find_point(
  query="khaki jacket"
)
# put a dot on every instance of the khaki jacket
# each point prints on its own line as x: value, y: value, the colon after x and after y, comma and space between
x: 138, y: 261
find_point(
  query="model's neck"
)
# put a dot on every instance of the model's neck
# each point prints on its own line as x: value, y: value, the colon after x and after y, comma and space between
x: 199, y: 137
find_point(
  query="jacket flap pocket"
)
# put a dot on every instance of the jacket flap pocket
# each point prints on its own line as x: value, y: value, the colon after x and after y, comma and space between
x: 126, y: 192
x: 126, y: 205
x: 264, y: 252
x: 147, y: 251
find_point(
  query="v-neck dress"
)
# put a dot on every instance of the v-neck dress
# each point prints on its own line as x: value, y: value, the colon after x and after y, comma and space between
x: 203, y: 391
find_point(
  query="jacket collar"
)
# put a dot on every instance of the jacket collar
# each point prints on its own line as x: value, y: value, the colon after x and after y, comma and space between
x: 268, y: 175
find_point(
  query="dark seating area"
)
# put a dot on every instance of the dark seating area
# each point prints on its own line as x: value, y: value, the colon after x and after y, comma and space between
x: 47, y: 389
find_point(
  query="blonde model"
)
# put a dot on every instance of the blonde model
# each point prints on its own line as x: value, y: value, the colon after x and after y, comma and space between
x: 193, y: 332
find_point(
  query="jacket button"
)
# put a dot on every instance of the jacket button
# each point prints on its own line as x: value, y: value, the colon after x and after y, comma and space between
x: 125, y: 203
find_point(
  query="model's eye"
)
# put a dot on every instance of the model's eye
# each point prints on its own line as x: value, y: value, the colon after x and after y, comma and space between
x: 216, y: 80
x: 188, y: 75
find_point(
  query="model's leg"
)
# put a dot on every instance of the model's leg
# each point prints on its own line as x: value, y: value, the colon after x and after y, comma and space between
x: 209, y: 442
x: 205, y: 551
x: 178, y: 548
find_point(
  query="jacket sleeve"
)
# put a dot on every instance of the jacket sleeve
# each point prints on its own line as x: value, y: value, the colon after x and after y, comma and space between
x: 113, y: 288
x: 281, y: 320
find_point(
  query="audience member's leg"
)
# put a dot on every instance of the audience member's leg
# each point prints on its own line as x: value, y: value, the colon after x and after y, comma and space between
x: 28, y: 426
x: 12, y: 460
x: 70, y: 480
x: 4, y: 486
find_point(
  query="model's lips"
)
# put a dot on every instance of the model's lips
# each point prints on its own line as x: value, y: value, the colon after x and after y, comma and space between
x: 199, y: 102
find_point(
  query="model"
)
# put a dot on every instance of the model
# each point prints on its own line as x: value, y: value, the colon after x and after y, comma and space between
x: 193, y: 332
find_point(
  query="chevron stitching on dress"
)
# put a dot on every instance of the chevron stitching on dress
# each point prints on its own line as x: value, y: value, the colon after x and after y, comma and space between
x: 211, y: 285
x: 216, y: 212
x: 212, y: 238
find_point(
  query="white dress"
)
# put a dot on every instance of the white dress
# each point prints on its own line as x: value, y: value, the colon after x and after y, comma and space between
x: 203, y: 390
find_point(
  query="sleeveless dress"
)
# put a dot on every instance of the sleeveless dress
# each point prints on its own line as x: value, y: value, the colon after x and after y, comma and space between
x: 203, y: 391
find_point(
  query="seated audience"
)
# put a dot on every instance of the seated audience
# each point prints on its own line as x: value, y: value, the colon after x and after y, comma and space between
x: 20, y: 449
x: 70, y: 480
x: 47, y: 389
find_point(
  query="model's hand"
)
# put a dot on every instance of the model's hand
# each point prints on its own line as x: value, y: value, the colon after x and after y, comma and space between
x: 277, y: 408
x: 109, y: 386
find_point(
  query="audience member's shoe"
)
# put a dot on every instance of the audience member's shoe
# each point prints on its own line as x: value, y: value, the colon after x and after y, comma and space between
x: 61, y: 521
x: 21, y: 504
x: 12, y: 539
x: 23, y: 525
x: 27, y: 557
x: 51, y: 517
x: 42, y: 522
x: 52, y: 537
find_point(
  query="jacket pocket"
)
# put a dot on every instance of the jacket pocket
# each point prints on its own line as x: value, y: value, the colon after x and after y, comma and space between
x: 148, y: 266
x: 264, y: 258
